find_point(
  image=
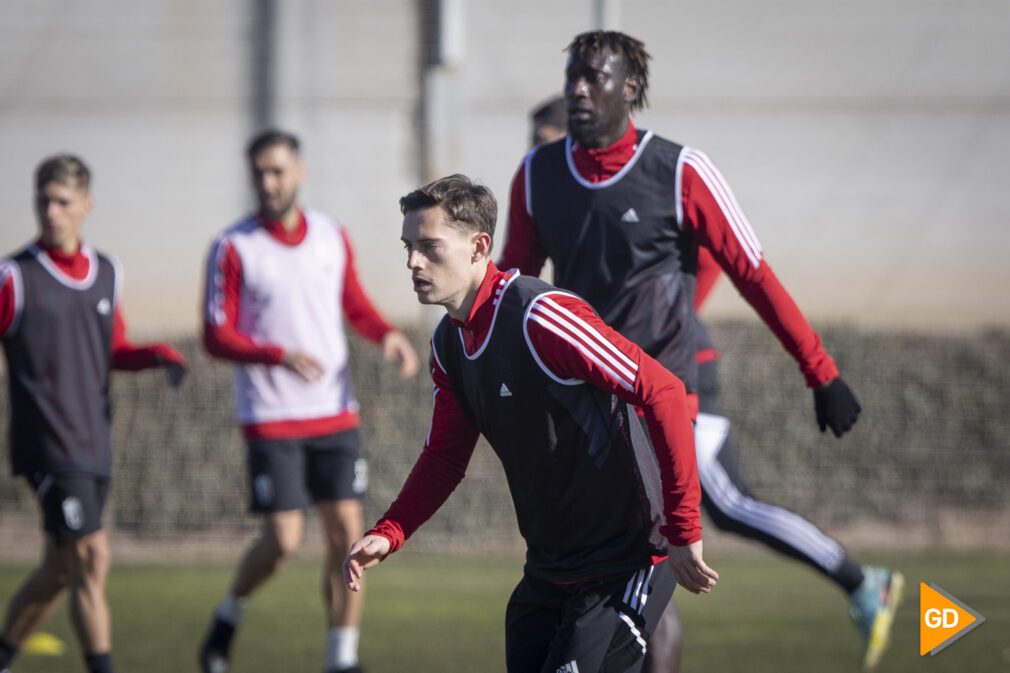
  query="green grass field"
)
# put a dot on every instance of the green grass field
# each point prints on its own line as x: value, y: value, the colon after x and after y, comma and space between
x: 444, y: 614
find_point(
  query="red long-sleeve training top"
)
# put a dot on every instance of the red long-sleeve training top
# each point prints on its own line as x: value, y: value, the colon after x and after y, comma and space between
x: 568, y: 354
x: 712, y: 215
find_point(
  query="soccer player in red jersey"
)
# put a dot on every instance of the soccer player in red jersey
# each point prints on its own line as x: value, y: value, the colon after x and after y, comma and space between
x: 63, y: 331
x: 629, y: 220
x: 611, y: 522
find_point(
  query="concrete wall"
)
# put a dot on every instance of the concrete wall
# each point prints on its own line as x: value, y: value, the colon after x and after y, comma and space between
x: 154, y: 96
x: 348, y: 83
x: 864, y: 139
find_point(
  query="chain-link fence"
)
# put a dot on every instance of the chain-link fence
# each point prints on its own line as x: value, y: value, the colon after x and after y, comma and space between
x: 927, y: 464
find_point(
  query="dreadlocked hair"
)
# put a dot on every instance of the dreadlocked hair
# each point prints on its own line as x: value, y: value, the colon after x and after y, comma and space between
x: 631, y: 50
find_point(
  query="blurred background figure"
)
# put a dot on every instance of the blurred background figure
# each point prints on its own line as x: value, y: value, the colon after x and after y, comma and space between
x: 549, y: 121
x: 278, y: 285
x: 63, y: 331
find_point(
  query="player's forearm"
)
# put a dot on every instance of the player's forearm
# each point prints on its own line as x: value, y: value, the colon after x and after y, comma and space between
x: 392, y: 531
x: 128, y: 356
x: 708, y: 274
x: 667, y: 415
x: 226, y: 343
x: 132, y: 357
x: 777, y: 309
x: 430, y: 483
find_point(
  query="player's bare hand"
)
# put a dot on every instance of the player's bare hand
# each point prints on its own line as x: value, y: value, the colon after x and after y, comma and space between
x: 302, y: 364
x: 396, y: 346
x: 690, y: 570
x: 364, y: 554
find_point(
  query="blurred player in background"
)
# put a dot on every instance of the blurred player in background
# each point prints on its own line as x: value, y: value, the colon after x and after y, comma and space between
x: 277, y: 283
x: 63, y: 331
x: 634, y: 223
x: 549, y: 121
x: 548, y: 384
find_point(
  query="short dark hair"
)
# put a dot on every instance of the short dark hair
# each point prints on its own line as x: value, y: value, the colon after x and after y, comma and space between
x: 466, y: 204
x: 65, y: 169
x: 552, y: 112
x: 636, y: 59
x: 269, y: 138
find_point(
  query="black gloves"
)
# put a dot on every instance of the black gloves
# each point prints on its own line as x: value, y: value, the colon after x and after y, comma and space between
x: 836, y: 407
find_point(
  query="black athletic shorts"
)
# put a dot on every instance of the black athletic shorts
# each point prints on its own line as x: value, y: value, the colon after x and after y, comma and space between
x: 71, y: 504
x: 286, y: 474
x: 601, y: 625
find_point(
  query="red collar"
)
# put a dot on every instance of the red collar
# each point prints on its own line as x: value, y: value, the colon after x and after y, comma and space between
x: 75, y: 265
x: 277, y: 230
x: 599, y: 164
x: 478, y: 323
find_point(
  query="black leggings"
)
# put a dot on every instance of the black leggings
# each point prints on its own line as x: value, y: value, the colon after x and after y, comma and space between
x: 733, y: 508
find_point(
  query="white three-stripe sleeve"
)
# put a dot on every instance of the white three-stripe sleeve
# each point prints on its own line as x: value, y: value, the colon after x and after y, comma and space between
x: 718, y: 191
x: 571, y: 343
x: 214, y: 288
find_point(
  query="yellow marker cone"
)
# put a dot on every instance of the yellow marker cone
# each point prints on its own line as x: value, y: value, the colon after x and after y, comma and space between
x: 942, y: 619
x: 43, y: 644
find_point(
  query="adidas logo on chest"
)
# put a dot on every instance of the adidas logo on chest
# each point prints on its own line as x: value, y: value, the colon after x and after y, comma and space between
x: 630, y: 216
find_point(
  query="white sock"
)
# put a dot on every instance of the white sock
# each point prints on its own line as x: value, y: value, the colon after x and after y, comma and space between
x: 230, y: 609
x: 342, y: 647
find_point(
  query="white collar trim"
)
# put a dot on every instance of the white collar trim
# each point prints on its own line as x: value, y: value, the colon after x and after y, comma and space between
x: 49, y: 265
x: 639, y: 148
x: 501, y: 287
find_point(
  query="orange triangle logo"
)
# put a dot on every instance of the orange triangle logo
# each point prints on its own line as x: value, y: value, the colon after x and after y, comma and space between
x: 942, y: 619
